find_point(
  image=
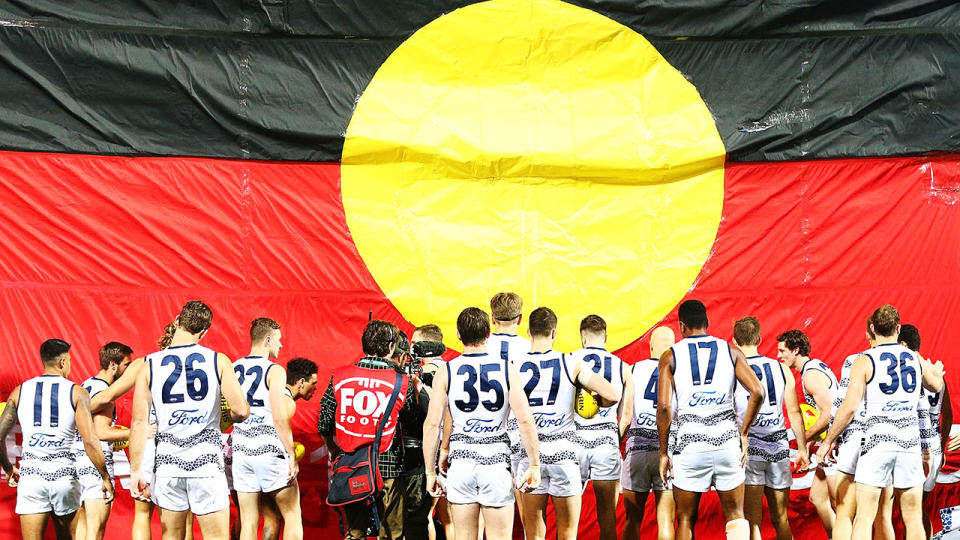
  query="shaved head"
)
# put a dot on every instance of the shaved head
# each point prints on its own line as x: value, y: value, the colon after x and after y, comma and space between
x: 661, y: 339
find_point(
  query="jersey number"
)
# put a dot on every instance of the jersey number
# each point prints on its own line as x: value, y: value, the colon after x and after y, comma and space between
x: 653, y: 386
x: 257, y: 373
x: 54, y: 405
x: 695, y: 364
x: 907, y: 376
x: 601, y: 363
x: 531, y: 385
x: 197, y: 393
x: 486, y: 385
x: 771, y: 389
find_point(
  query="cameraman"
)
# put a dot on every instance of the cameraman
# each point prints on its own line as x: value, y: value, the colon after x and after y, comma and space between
x: 379, y: 341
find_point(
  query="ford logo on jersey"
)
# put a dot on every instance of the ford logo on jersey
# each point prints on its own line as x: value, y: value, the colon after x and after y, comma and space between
x: 897, y: 406
x: 45, y: 440
x: 707, y: 398
x: 545, y: 420
x: 186, y: 417
x: 766, y: 419
x: 479, y: 425
x: 646, y: 420
x: 255, y: 419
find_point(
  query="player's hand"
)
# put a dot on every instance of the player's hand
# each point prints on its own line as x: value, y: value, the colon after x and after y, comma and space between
x: 107, y: 490
x: 443, y: 463
x: 927, y: 463
x: 953, y: 443
x: 823, y: 454
x: 531, y: 480
x: 434, y: 487
x: 802, y: 462
x: 937, y: 368
x: 293, y: 468
x: 666, y: 468
x: 139, y: 487
x: 744, y: 442
x: 151, y: 431
x: 14, y: 477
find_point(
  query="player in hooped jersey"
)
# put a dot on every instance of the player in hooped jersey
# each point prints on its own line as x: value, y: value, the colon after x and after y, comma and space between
x: 51, y: 411
x: 600, y: 436
x: 940, y: 419
x: 263, y: 454
x: 710, y: 449
x: 887, y: 378
x: 550, y: 381
x: 184, y: 383
x: 480, y: 389
x: 92, y: 517
x: 819, y: 387
x: 642, y: 461
x: 769, y: 471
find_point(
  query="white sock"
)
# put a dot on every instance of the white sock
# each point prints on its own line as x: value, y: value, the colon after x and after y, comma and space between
x: 738, y: 529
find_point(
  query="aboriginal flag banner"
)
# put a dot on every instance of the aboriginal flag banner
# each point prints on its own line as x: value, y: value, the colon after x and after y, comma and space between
x: 313, y: 161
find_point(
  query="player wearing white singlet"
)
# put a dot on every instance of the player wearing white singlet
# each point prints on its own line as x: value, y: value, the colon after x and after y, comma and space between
x: 93, y: 515
x: 548, y: 378
x: 262, y: 445
x: 819, y: 386
x: 184, y: 383
x: 940, y: 417
x: 51, y: 411
x: 600, y: 435
x: 711, y: 449
x: 769, y: 470
x: 480, y: 390
x: 887, y: 378
x: 641, y: 462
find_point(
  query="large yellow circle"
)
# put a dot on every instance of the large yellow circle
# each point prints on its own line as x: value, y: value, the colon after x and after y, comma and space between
x: 536, y: 147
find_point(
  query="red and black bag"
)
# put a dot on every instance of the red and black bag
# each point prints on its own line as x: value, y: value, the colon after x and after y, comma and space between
x: 355, y: 476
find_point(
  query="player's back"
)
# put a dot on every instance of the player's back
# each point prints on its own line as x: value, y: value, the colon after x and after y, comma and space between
x: 185, y: 389
x: 891, y: 400
x: 704, y: 379
x: 257, y: 434
x: 479, y: 405
x: 508, y: 347
x: 768, y: 434
x: 46, y: 415
x: 856, y: 423
x: 642, y: 435
x: 85, y: 468
x: 550, y: 392
x: 610, y: 367
x: 818, y: 366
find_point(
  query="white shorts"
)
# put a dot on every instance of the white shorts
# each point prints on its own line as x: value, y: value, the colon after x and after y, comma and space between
x: 36, y: 495
x: 264, y: 473
x: 848, y: 455
x: 641, y: 472
x: 771, y: 474
x: 931, y: 481
x: 91, y: 483
x: 201, y: 495
x: 486, y: 485
x: 601, y: 463
x: 556, y: 479
x: 903, y: 470
x: 697, y: 471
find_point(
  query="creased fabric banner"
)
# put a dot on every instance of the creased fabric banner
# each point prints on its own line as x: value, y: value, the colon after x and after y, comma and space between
x: 319, y: 162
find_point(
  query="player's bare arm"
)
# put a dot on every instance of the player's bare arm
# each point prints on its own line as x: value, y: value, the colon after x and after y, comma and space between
x: 665, y: 412
x: 946, y: 419
x: 431, y: 430
x: 607, y: 394
x: 625, y: 410
x: 792, y: 403
x: 232, y: 392
x: 121, y: 386
x: 91, y: 443
x: 932, y: 374
x: 7, y: 420
x: 528, y: 429
x: 817, y: 385
x: 276, y: 382
x: 106, y: 432
x: 138, y: 429
x: 749, y: 381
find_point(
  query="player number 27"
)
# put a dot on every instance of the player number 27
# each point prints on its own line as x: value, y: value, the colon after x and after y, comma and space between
x: 695, y: 363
